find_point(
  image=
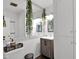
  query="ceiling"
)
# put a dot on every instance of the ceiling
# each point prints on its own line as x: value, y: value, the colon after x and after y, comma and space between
x: 37, y: 5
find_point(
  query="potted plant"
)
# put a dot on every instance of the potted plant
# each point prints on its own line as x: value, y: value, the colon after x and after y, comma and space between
x: 29, y: 17
x: 44, y: 21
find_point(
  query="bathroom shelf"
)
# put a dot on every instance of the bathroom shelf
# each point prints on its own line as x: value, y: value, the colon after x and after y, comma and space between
x: 10, y: 48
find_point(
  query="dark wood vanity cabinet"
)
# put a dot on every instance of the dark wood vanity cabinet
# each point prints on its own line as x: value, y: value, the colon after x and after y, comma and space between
x: 47, y: 47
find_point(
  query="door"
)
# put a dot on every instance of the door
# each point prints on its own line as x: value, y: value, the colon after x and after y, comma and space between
x: 64, y: 29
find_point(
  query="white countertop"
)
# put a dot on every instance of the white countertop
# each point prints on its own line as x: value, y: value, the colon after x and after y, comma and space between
x: 48, y: 37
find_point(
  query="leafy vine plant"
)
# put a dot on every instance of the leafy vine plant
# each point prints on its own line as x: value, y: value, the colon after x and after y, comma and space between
x: 29, y: 17
x: 43, y: 20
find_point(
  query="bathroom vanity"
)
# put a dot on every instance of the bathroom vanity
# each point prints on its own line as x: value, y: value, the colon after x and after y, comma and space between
x: 47, y: 47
